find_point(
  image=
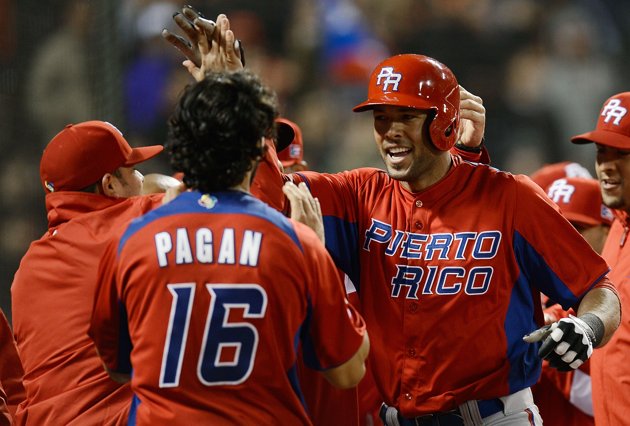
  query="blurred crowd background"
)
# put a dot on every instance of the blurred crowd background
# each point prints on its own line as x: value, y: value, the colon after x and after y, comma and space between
x: 542, y: 67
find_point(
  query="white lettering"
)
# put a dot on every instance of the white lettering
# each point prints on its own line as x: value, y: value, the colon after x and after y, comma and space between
x: 227, y: 250
x: 183, y: 253
x: 204, y: 245
x: 163, y: 245
x: 250, y: 248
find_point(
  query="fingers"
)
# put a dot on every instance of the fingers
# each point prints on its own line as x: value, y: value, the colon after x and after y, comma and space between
x: 190, y: 13
x: 538, y: 335
x: 470, y: 102
x: 173, y: 192
x: 567, y: 345
x: 305, y: 208
x: 181, y: 44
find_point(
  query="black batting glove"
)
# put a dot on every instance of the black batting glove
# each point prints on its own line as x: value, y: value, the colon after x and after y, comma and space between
x: 567, y: 343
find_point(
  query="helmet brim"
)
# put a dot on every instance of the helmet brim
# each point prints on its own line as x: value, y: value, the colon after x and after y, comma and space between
x: 395, y: 99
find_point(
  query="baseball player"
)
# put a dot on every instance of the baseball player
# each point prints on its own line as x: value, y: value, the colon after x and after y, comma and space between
x: 91, y: 184
x: 610, y: 366
x: 233, y: 284
x: 564, y: 398
x: 433, y: 264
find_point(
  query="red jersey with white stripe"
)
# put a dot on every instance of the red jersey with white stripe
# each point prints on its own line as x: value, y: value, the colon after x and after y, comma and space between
x: 448, y: 277
x: 216, y: 292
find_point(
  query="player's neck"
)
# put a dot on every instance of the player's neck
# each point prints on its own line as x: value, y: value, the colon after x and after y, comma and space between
x: 439, y: 169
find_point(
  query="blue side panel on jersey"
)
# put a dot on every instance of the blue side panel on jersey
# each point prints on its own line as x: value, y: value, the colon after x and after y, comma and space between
x: 292, y: 373
x: 123, y: 361
x: 525, y: 365
x: 230, y: 202
x: 308, y: 347
x: 539, y: 274
x: 133, y: 411
x: 342, y: 241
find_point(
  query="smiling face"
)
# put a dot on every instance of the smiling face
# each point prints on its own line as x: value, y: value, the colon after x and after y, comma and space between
x: 402, y: 138
x: 613, y: 171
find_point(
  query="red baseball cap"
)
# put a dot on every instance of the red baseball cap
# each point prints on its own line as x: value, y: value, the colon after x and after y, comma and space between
x: 290, y: 139
x: 580, y: 200
x: 544, y: 176
x: 613, y: 125
x: 81, y: 154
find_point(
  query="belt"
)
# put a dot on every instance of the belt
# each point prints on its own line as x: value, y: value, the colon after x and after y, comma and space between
x: 445, y: 418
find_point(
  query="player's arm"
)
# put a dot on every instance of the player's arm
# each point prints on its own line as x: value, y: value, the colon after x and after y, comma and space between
x: 115, y: 376
x: 567, y: 343
x: 106, y: 329
x: 335, y: 340
x: 157, y: 183
x: 602, y: 302
x: 350, y: 373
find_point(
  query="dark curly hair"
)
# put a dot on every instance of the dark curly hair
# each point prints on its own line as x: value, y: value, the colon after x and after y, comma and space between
x: 215, y: 130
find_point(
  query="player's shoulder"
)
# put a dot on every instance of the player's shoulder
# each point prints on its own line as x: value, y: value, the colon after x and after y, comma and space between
x: 235, y: 203
x: 491, y: 173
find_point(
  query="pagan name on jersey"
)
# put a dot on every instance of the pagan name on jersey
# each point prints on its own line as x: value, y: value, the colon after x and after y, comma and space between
x: 204, y: 246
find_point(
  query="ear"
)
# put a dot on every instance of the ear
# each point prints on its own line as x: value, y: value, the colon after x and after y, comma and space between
x: 108, y: 183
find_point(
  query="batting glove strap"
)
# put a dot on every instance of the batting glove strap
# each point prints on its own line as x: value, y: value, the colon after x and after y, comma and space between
x: 569, y: 344
x: 595, y: 325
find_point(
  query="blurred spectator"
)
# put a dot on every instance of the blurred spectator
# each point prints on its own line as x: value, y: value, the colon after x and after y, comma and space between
x: 58, y: 87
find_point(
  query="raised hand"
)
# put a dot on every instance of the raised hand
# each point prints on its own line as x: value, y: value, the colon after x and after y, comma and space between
x: 472, y: 115
x: 305, y: 208
x: 208, y: 45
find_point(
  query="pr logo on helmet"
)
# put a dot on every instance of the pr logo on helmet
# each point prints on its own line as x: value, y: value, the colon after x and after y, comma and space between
x: 613, y: 109
x: 390, y: 78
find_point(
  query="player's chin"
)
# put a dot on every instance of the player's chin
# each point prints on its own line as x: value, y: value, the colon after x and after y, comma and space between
x: 397, y: 173
x: 614, y: 200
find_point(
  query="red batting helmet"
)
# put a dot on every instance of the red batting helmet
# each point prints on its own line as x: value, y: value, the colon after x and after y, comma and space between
x: 419, y: 82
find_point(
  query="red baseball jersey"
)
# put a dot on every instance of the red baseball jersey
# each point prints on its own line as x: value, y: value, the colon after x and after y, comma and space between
x: 610, y: 369
x: 448, y: 277
x: 52, y: 295
x: 207, y: 298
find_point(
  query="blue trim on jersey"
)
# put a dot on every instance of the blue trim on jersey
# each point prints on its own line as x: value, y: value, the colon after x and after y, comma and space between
x: 539, y: 274
x: 123, y: 358
x: 227, y: 202
x: 293, y: 375
x: 525, y: 364
x: 342, y: 241
x: 308, y: 347
x: 133, y: 411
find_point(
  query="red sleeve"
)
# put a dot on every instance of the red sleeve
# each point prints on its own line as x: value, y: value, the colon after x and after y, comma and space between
x: 330, y: 310
x: 11, y: 371
x: 108, y: 320
x: 268, y: 180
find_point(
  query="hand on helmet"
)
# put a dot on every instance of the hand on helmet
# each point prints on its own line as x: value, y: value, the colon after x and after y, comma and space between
x: 472, y: 116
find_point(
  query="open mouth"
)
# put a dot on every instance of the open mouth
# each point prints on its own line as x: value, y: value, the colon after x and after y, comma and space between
x: 398, y: 153
x: 609, y: 184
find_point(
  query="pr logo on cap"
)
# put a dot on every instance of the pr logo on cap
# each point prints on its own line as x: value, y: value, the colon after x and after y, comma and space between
x: 613, y: 109
x: 613, y: 126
